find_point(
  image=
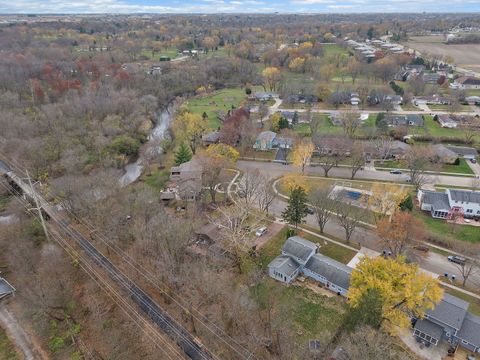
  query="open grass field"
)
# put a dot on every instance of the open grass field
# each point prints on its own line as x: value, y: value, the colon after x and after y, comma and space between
x: 219, y: 101
x: 466, y: 56
x: 7, y: 350
x: 333, y: 49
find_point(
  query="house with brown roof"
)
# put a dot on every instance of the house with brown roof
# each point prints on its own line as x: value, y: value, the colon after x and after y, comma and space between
x: 466, y: 83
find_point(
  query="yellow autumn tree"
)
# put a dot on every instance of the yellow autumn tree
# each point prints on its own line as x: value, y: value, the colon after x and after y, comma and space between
x: 224, y: 152
x: 297, y: 64
x: 291, y: 181
x: 189, y: 128
x: 404, y: 290
x: 386, y: 198
x: 271, y: 77
x: 302, y: 153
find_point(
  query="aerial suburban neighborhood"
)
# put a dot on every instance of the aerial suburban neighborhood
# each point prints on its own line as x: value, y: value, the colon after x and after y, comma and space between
x: 229, y: 180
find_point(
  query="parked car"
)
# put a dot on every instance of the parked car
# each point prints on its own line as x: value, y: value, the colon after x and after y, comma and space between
x: 395, y: 171
x: 473, y: 161
x: 310, y: 211
x: 457, y: 259
x: 408, y: 180
x: 261, y: 231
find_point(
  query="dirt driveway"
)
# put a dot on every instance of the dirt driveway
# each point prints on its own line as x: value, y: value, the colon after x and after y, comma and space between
x: 273, y: 229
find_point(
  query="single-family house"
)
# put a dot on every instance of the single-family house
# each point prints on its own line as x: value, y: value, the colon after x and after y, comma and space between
x: 376, y: 98
x: 450, y: 321
x: 300, y: 99
x: 432, y: 78
x: 431, y: 100
x: 187, y: 179
x: 472, y: 100
x: 465, y: 152
x: 263, y: 96
x: 6, y: 289
x: 404, y: 120
x: 446, y: 121
x: 442, y: 154
x: 466, y: 83
x: 408, y: 72
x: 399, y: 149
x: 444, y: 205
x: 265, y: 140
x: 299, y: 256
x: 211, y: 138
x: 282, y: 142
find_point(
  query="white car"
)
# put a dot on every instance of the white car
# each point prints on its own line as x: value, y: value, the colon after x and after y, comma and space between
x: 261, y: 231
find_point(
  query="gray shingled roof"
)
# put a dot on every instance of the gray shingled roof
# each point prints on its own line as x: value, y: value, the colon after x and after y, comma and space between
x: 429, y: 328
x: 334, y: 271
x: 284, y: 264
x: 298, y: 247
x: 5, y: 288
x: 470, y: 330
x: 464, y: 195
x: 463, y: 150
x: 438, y: 200
x: 451, y: 311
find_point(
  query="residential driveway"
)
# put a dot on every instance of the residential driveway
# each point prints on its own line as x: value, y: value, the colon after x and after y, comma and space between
x: 424, y: 107
x: 273, y: 229
x: 475, y: 167
x: 281, y: 155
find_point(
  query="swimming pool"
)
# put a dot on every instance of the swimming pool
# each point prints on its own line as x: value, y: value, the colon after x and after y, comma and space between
x: 354, y: 195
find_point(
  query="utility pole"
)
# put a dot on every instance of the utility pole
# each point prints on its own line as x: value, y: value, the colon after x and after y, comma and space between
x: 38, y: 208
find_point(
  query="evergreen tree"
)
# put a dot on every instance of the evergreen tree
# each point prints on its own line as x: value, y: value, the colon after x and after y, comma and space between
x: 204, y: 116
x: 283, y: 123
x: 295, y: 118
x: 296, y: 209
x: 406, y: 204
x: 183, y: 154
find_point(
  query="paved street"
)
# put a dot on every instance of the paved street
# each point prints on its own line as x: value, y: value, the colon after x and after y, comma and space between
x: 365, y: 237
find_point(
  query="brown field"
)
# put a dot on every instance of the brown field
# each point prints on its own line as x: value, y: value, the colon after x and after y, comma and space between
x: 466, y: 56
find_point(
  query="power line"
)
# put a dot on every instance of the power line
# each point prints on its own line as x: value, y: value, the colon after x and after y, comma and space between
x: 136, y: 292
x: 244, y: 353
x: 97, y: 278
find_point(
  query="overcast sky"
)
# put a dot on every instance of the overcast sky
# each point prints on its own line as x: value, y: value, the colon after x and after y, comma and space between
x: 235, y: 6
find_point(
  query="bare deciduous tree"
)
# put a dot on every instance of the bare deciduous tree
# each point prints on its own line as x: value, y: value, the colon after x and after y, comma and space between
x: 323, y: 205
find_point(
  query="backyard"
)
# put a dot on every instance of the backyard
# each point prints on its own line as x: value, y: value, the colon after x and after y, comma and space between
x: 444, y: 229
x: 218, y: 102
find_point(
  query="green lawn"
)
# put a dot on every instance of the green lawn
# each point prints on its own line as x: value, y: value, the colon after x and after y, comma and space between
x: 172, y: 53
x: 157, y: 178
x: 219, y: 101
x: 433, y: 128
x: 3, y: 202
x: 263, y: 155
x: 461, y: 168
x: 307, y: 314
x: 440, y: 107
x: 303, y: 129
x: 442, y: 228
x: 333, y: 49
x: 7, y: 350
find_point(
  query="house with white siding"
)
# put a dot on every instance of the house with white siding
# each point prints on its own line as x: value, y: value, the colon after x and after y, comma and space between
x: 444, y: 205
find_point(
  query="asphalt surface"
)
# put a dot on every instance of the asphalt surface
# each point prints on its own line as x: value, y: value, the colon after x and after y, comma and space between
x: 362, y: 236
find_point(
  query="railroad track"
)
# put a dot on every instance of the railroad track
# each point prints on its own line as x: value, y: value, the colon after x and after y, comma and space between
x: 176, y: 332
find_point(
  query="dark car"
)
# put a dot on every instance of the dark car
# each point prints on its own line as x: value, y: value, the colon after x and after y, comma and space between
x: 310, y: 211
x: 396, y: 172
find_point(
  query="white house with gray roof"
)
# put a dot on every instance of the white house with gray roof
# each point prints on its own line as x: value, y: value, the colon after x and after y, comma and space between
x: 449, y: 321
x: 299, y: 256
x: 5, y: 289
x: 443, y: 205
